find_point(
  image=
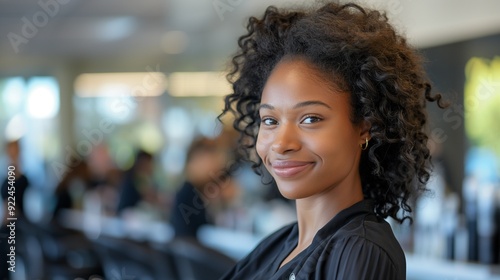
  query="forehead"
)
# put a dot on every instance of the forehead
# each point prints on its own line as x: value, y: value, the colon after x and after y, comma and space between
x: 299, y: 79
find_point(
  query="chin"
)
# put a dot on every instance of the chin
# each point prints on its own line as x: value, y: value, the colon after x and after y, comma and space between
x: 292, y: 192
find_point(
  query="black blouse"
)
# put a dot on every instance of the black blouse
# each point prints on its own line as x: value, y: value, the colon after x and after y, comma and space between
x: 354, y: 245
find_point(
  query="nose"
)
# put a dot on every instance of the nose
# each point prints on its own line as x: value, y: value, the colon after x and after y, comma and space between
x: 286, y: 139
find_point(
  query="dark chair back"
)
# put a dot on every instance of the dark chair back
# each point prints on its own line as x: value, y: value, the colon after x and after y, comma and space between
x: 50, y: 252
x: 195, y: 261
x: 126, y: 259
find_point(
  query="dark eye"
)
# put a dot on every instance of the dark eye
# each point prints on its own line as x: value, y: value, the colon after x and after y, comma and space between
x: 269, y: 121
x: 311, y: 119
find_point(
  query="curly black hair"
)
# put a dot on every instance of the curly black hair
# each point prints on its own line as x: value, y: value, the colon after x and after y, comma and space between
x: 360, y: 52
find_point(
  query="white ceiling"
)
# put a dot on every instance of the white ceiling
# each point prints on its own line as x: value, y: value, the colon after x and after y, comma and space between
x: 94, y: 29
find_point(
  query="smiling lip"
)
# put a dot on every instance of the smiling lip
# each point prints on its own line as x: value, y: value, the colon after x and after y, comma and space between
x: 289, y: 168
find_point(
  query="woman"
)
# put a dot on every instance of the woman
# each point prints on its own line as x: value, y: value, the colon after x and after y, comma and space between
x: 332, y: 101
x: 205, y: 160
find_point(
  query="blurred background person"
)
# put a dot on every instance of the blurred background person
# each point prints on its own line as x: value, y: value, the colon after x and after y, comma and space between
x: 138, y: 184
x: 205, y: 179
x: 106, y: 177
x: 21, y: 182
x: 226, y: 209
x: 70, y: 191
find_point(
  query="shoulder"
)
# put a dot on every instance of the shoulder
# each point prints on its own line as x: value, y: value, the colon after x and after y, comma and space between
x: 376, y: 231
x: 365, y: 248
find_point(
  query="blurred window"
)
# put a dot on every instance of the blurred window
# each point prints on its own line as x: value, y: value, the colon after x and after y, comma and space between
x: 482, y: 100
x: 29, y: 110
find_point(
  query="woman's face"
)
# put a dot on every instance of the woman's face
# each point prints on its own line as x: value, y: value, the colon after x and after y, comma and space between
x: 306, y: 138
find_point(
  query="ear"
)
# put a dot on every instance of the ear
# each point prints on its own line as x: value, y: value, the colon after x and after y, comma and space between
x: 364, y: 131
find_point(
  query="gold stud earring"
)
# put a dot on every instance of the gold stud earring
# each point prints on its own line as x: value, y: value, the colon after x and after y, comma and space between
x: 363, y: 147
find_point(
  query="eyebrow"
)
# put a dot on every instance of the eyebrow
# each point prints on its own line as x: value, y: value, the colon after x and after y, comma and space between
x: 298, y: 105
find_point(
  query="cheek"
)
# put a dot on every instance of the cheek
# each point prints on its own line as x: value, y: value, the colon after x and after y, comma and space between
x: 334, y: 149
x: 261, y: 146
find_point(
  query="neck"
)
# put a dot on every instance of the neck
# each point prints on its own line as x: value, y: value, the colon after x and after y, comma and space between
x: 315, y: 212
